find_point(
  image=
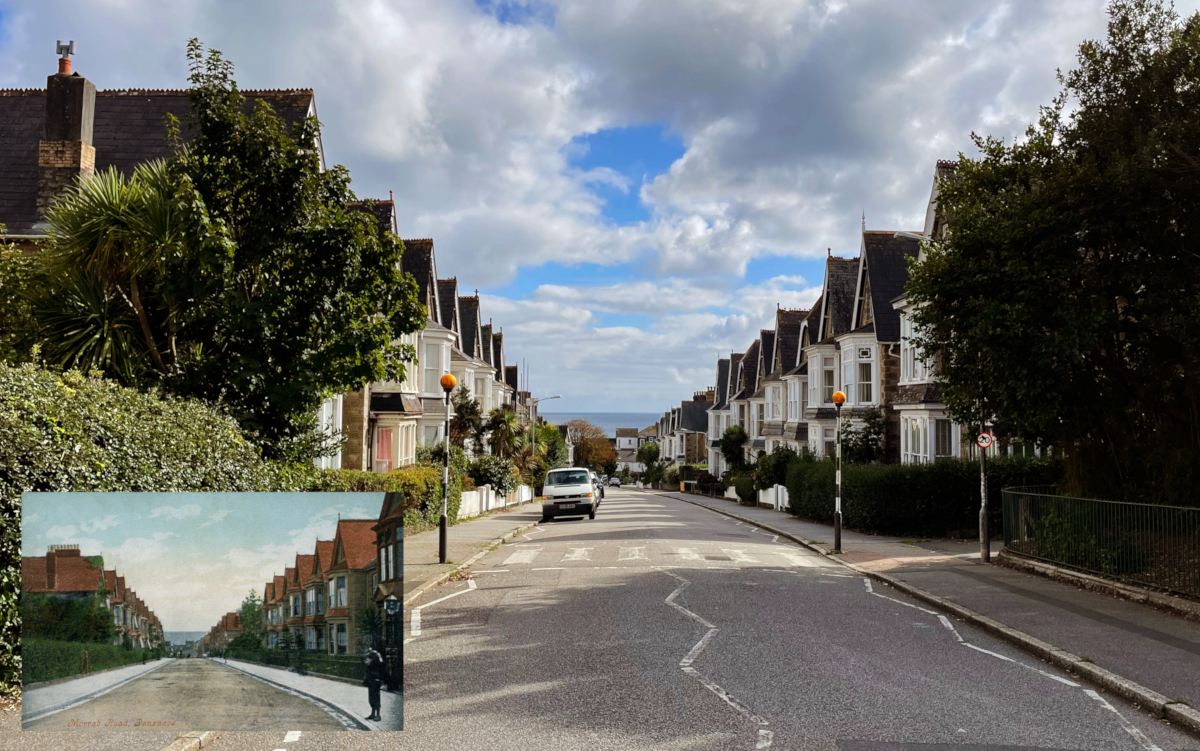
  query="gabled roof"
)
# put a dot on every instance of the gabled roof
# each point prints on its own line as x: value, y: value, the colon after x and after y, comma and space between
x: 354, y: 543
x: 626, y: 432
x: 693, y: 416
x: 280, y: 587
x: 512, y: 377
x: 841, y: 277
x: 749, y: 372
x: 498, y: 355
x: 766, y: 357
x: 722, y: 400
x: 289, y: 577
x: 469, y: 340
x: 885, y: 265
x: 448, y: 298
x: 418, y: 260
x: 127, y: 130
x: 72, y: 572
x: 383, y: 211
x: 787, y: 339
x: 485, y: 344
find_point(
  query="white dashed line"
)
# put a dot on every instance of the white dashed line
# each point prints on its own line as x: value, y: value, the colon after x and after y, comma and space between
x: 292, y: 736
x: 738, y: 556
x: 689, y: 554
x: 489, y: 571
x: 946, y: 622
x: 1136, y: 734
x: 997, y: 655
x: 522, y: 556
x: 556, y: 568
x: 632, y: 554
x: 578, y: 554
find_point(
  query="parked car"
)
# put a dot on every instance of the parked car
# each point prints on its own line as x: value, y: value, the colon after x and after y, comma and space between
x: 614, y: 481
x: 569, y: 492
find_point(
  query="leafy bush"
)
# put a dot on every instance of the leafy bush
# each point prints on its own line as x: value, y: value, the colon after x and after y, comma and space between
x: 920, y: 500
x: 495, y: 471
x: 64, y: 619
x: 744, y: 486
x: 47, y: 659
x: 671, y: 476
x: 772, y: 468
x: 420, y: 483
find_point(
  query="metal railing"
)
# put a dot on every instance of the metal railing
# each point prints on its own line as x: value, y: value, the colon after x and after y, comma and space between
x: 1155, y: 546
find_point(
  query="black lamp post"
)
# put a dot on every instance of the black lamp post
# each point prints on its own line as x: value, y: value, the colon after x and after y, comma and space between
x: 838, y: 400
x: 448, y: 382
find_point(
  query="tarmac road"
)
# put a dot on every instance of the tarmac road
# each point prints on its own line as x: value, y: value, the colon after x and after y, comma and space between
x: 191, y: 695
x: 660, y: 625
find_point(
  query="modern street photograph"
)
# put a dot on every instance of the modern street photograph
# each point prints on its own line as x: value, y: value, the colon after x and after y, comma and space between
x: 302, y: 591
x: 585, y: 375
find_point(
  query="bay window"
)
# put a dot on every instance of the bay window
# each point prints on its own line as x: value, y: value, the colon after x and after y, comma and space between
x: 943, y: 438
x: 864, y: 383
x: 433, y: 369
x: 828, y: 385
x: 383, y: 449
x: 793, y: 408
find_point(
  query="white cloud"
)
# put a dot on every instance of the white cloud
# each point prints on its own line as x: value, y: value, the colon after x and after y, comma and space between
x: 61, y: 532
x: 136, y: 550
x: 160, y: 536
x: 217, y: 517
x: 99, y: 524
x: 171, y: 512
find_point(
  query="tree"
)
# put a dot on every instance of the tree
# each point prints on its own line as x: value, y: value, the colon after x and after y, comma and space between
x: 239, y: 271
x: 504, y: 428
x: 467, y: 423
x: 16, y: 316
x: 864, y: 445
x: 647, y: 455
x: 733, y: 446
x: 251, y: 618
x: 1060, y: 301
x: 595, y: 453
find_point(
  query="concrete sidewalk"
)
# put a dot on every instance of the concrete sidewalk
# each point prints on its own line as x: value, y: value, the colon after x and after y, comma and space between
x: 348, y: 702
x: 39, y: 702
x: 1158, y: 650
x: 468, y: 538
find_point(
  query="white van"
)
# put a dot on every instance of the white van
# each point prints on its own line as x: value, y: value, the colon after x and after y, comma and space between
x: 569, y: 492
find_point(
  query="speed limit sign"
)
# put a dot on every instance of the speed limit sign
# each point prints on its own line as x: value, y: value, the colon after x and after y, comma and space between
x: 985, y: 440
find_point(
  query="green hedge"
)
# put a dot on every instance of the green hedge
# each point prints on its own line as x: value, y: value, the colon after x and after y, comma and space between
x: 46, y: 659
x: 915, y: 500
x: 69, y: 432
x: 420, y: 483
x: 314, y: 661
x: 743, y: 485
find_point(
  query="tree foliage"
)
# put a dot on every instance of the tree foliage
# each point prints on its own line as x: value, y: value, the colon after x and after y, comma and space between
x: 863, y: 444
x: 1062, y: 298
x: 467, y: 423
x: 733, y: 444
x: 504, y: 432
x: 251, y: 619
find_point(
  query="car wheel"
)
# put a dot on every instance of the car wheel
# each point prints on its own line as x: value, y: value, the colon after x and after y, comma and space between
x: 545, y: 518
x: 592, y: 513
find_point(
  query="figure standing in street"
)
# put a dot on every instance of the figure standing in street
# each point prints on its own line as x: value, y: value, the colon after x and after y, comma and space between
x: 375, y: 678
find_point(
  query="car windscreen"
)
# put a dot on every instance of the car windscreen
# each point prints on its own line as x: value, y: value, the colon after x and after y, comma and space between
x: 567, y: 478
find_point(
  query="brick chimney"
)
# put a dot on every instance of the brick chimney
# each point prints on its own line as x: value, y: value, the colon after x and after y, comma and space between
x: 52, y: 555
x: 65, y: 153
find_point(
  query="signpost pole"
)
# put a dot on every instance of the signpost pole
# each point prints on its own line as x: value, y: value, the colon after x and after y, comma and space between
x: 448, y: 383
x: 985, y: 539
x: 838, y: 399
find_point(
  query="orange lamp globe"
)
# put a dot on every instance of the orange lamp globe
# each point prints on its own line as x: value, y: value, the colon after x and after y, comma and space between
x: 449, y: 382
x: 839, y: 398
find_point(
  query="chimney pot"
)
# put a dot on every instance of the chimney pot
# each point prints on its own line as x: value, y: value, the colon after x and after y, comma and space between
x: 64, y: 66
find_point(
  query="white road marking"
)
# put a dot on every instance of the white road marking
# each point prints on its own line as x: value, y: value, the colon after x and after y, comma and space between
x: 946, y: 622
x: 1021, y: 664
x: 764, y: 740
x: 414, y: 626
x: 867, y: 582
x: 738, y: 556
x: 632, y: 554
x: 804, y: 561
x: 292, y: 736
x: 522, y: 556
x: 490, y: 571
x: 905, y: 604
x: 578, y: 554
x: 556, y: 568
x: 689, y: 554
x: 1136, y: 734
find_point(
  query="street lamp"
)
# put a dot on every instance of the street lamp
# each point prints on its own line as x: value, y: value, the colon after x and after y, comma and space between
x: 448, y: 382
x: 838, y: 400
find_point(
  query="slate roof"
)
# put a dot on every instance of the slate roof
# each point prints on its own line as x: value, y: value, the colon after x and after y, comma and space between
x: 127, y: 130
x: 787, y: 330
x: 694, y: 416
x: 498, y: 355
x: 768, y: 355
x: 627, y: 432
x: 887, y: 267
x: 749, y: 371
x: 418, y: 261
x: 485, y: 344
x: 722, y: 400
x: 448, y: 297
x: 384, y: 212
x: 468, y: 311
x: 841, y: 277
x: 511, y: 377
x: 921, y: 393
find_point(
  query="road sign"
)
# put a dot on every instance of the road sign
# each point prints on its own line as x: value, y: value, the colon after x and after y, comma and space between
x: 985, y: 440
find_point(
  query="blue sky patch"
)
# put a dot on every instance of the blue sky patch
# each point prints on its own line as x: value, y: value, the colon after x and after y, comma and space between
x: 639, y: 152
x: 518, y: 12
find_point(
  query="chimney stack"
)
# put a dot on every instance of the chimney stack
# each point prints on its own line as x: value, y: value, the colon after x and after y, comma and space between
x: 65, y: 153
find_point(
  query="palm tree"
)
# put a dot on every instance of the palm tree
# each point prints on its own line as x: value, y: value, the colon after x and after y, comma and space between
x: 505, y: 429
x: 114, y: 238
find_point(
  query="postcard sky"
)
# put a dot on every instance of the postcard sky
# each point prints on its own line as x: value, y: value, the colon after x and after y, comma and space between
x: 191, y: 557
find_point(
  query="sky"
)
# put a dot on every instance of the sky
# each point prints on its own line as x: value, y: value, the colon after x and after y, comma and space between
x: 191, y: 557
x: 633, y: 186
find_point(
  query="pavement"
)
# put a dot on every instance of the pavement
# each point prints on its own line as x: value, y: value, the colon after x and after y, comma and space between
x: 39, y: 702
x: 347, y: 701
x: 1156, y: 649
x: 466, y: 539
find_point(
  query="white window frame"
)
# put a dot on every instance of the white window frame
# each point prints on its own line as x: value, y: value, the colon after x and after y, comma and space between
x: 868, y: 385
x: 431, y: 368
x: 828, y: 378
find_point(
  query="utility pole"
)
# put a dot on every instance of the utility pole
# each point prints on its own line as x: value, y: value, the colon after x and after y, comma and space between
x: 984, y: 441
x: 448, y: 382
x: 838, y: 400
